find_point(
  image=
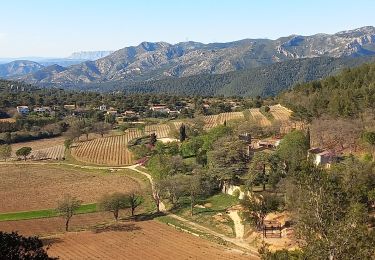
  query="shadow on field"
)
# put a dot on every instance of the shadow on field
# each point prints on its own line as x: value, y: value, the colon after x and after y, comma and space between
x: 147, y: 216
x: 51, y: 240
x: 118, y: 227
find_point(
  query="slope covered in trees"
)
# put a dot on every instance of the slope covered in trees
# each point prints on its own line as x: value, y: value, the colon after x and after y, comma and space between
x: 262, y: 81
x: 347, y: 94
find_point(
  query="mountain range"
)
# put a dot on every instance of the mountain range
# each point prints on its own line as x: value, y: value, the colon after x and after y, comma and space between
x: 151, y: 62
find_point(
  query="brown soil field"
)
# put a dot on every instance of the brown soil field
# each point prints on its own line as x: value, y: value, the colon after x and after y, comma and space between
x: 32, y: 187
x: 39, y: 144
x: 51, y: 226
x: 138, y: 240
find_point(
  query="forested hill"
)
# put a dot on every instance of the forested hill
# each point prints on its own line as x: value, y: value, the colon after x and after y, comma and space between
x: 345, y: 95
x: 262, y: 81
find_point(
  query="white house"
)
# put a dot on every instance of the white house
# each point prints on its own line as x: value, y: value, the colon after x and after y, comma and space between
x: 322, y: 157
x: 102, y: 108
x: 160, y: 108
x: 42, y: 109
x: 23, y: 110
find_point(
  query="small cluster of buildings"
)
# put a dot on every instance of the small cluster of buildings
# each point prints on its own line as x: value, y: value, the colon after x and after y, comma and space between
x: 319, y: 156
x: 24, y: 110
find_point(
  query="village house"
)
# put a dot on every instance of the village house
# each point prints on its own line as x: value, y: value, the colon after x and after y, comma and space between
x: 70, y: 107
x: 129, y: 113
x: 322, y: 157
x: 102, y: 108
x: 173, y: 112
x: 23, y: 110
x: 160, y: 108
x: 42, y: 109
x: 112, y: 112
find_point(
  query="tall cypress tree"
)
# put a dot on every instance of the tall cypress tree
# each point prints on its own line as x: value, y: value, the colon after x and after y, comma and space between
x: 182, y: 133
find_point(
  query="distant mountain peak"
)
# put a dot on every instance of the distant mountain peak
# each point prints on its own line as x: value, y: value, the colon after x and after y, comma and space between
x: 89, y: 55
x: 158, y: 60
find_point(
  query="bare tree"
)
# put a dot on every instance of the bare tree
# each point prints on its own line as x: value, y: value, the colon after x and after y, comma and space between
x: 134, y: 201
x: 5, y: 151
x: 101, y: 128
x: 114, y: 203
x: 67, y: 207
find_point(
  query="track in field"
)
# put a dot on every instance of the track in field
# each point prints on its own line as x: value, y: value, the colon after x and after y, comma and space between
x: 108, y: 150
x: 259, y: 118
x: 161, y: 131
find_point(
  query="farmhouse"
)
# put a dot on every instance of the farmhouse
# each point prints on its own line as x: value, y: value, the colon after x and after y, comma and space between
x: 322, y: 157
x: 23, y: 110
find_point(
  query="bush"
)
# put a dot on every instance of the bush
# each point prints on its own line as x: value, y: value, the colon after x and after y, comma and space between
x: 14, y: 246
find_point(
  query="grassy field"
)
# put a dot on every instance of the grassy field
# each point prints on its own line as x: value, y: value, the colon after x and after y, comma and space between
x: 44, y: 213
x: 211, y: 212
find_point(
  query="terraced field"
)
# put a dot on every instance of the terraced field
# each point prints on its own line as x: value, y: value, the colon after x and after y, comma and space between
x: 259, y: 118
x: 161, y: 131
x: 230, y: 116
x: 215, y: 120
x: 210, y: 121
x: 280, y: 113
x: 177, y: 124
x: 106, y: 151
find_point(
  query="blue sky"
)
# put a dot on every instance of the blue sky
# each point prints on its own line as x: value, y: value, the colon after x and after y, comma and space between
x: 52, y: 28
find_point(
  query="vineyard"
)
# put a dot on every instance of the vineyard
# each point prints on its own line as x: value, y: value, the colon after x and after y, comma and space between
x: 108, y: 150
x: 54, y: 153
x: 210, y: 121
x: 225, y: 117
x: 177, y: 124
x: 259, y: 118
x: 215, y: 120
x: 161, y: 131
x: 280, y: 113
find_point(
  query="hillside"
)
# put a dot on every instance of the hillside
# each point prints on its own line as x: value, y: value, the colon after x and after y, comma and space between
x: 264, y: 81
x: 153, y: 61
x: 347, y: 94
x: 18, y: 68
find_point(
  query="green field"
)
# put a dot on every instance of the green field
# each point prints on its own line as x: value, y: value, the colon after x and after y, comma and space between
x: 44, y: 213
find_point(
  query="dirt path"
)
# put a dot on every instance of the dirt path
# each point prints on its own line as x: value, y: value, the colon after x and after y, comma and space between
x: 238, y: 226
x: 134, y: 168
x: 235, y: 241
